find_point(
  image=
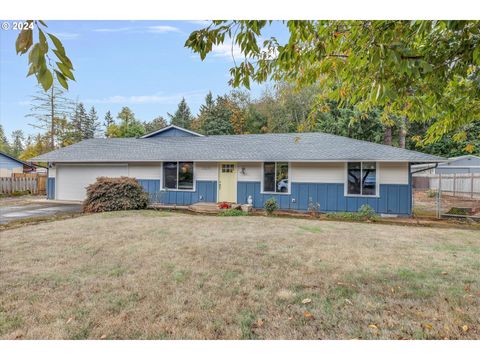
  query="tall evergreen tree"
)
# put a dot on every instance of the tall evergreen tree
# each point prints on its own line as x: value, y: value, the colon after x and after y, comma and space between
x: 108, y: 121
x: 209, y: 104
x: 182, y: 116
x: 17, y: 143
x: 91, y: 124
x: 217, y: 121
x: 79, y: 123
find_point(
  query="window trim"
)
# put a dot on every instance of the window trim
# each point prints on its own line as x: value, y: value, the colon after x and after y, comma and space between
x: 377, y: 177
x: 263, y: 176
x: 193, y: 189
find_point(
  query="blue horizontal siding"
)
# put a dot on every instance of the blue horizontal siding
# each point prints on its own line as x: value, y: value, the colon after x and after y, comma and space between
x: 50, y: 188
x: 393, y: 199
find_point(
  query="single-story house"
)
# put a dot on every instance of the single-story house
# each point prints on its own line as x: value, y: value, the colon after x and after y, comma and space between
x: 10, y: 165
x: 178, y: 166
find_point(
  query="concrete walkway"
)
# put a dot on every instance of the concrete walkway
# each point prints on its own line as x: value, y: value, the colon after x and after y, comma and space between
x: 10, y: 213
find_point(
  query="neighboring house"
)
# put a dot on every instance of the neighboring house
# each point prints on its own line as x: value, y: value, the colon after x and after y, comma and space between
x: 182, y: 167
x: 10, y: 165
x: 467, y: 164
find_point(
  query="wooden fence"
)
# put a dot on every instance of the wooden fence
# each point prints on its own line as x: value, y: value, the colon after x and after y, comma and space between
x: 459, y: 185
x: 33, y: 183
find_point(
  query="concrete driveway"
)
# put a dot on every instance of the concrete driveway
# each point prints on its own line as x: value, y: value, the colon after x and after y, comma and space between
x: 10, y: 213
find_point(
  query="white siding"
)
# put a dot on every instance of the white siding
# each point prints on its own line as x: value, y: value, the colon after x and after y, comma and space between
x: 393, y: 173
x: 145, y: 171
x: 52, y: 172
x: 253, y: 171
x: 317, y: 172
x: 206, y: 171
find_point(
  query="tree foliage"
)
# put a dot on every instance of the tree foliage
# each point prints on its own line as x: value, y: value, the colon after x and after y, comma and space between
x: 156, y: 124
x: 4, y: 145
x: 18, y: 138
x: 182, y: 116
x: 416, y: 70
x: 108, y: 121
x: 129, y: 126
x: 41, y: 52
x: 35, y: 145
x: 216, y: 117
x: 48, y: 108
x: 92, y: 125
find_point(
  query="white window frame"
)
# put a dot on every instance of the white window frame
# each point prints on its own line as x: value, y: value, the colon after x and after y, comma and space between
x: 377, y: 177
x: 178, y: 169
x: 263, y: 176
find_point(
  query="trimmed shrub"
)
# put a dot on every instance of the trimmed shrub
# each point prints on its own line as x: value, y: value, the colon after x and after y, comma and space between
x: 232, y: 212
x: 366, y: 212
x: 115, y: 194
x: 270, y: 205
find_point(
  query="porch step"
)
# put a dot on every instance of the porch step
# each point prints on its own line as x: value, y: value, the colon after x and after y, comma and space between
x: 204, y: 207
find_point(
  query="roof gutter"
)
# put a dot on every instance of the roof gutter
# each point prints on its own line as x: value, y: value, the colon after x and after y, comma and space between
x: 425, y: 169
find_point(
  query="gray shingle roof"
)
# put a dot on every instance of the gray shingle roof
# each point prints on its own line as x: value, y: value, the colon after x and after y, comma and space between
x: 261, y: 147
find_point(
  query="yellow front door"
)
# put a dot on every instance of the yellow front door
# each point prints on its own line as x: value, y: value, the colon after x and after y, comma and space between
x: 227, y: 182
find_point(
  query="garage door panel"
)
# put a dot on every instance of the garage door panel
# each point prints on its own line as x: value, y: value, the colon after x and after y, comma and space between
x: 72, y: 180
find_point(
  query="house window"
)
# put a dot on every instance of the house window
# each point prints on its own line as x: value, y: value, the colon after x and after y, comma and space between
x: 178, y: 175
x: 362, y: 178
x: 275, y: 177
x: 228, y: 168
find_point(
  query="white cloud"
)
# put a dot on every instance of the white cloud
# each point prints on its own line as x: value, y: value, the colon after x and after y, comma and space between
x: 158, y: 98
x: 67, y: 36
x: 123, y: 29
x: 161, y: 29
x: 154, y: 29
x: 200, y: 22
x: 226, y: 50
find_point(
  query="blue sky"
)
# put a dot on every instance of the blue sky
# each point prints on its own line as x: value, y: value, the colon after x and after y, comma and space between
x: 140, y: 64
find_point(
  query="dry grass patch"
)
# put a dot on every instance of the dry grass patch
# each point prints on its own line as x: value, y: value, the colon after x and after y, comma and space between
x: 160, y: 275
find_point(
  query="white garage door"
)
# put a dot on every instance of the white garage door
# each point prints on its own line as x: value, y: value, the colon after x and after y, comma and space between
x: 71, y: 180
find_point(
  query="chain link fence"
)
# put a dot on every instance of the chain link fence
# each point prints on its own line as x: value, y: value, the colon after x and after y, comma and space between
x: 447, y: 195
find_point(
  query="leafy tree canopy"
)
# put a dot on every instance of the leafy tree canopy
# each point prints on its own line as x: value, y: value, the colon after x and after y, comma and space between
x: 129, y: 125
x: 156, y: 124
x: 418, y: 70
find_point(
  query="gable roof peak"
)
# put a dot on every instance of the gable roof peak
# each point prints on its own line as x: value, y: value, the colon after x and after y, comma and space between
x: 172, y: 126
